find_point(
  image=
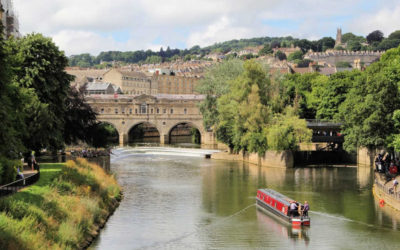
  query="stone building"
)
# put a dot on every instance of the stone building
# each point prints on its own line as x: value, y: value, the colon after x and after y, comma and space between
x: 332, y: 58
x: 102, y: 88
x: 85, y: 76
x: 338, y: 37
x: 9, y: 19
x: 287, y: 51
x: 132, y: 83
x: 178, y: 85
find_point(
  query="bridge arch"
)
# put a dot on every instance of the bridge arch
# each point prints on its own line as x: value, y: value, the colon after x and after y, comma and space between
x: 143, y: 131
x: 104, y: 133
x: 185, y: 132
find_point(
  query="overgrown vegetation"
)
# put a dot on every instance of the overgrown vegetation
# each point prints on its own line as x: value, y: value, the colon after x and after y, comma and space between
x: 61, y: 211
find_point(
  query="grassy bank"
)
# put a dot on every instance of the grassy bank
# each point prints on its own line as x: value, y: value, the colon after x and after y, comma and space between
x: 63, y: 210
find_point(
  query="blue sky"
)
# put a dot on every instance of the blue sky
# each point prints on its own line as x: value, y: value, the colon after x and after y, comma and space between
x: 92, y: 26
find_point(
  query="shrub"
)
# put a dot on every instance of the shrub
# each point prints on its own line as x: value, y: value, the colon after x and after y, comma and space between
x: 8, y: 170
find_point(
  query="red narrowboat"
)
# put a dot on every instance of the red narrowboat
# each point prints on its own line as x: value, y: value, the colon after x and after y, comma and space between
x: 272, y: 201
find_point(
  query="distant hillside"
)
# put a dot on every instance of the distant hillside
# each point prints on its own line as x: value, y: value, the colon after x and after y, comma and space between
x: 373, y: 42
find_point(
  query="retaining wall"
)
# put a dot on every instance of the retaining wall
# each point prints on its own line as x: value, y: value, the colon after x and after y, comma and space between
x: 282, y: 159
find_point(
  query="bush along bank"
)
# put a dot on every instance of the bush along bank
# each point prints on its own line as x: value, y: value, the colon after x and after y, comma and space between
x: 65, y: 209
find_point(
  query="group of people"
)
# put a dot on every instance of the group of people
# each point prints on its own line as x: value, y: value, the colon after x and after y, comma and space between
x: 384, y: 163
x: 296, y: 209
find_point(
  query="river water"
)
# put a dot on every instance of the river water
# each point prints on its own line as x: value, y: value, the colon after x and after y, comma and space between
x: 176, y: 199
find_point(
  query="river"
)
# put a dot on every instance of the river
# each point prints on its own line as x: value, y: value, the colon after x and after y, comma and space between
x: 176, y: 199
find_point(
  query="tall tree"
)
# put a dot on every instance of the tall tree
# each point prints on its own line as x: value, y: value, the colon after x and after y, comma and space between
x: 375, y: 36
x: 40, y: 66
x: 214, y: 84
x: 368, y: 110
x: 79, y: 117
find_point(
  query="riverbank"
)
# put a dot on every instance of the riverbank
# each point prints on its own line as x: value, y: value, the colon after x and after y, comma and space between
x: 65, y: 209
x: 282, y: 159
x: 381, y: 190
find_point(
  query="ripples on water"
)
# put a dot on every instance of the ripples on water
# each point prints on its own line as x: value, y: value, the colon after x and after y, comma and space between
x: 176, y: 199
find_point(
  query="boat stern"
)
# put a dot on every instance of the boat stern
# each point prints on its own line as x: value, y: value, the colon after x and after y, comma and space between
x: 298, y: 222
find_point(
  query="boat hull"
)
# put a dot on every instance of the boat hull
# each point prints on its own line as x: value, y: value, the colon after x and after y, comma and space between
x: 278, y: 205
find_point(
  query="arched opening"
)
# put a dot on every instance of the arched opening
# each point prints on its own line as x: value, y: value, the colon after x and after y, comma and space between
x: 103, y: 134
x: 144, y: 133
x: 184, y: 133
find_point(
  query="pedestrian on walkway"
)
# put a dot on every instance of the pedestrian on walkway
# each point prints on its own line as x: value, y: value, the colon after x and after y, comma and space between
x: 33, y: 160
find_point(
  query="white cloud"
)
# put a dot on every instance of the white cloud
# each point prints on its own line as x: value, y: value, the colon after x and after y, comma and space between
x: 387, y: 20
x: 80, y: 26
x: 222, y: 30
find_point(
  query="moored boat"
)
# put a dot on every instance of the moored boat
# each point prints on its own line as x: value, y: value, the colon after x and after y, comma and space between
x: 279, y: 204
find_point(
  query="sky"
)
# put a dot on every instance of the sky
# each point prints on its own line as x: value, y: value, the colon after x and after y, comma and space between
x: 92, y: 26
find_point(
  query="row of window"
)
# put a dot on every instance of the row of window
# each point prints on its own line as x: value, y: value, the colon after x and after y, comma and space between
x: 143, y: 110
x: 135, y: 79
x: 135, y: 84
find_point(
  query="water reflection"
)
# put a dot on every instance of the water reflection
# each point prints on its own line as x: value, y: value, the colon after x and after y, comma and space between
x: 269, y: 222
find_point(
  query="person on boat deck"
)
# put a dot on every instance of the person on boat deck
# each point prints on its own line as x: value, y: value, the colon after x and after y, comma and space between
x: 299, y: 209
x: 293, y: 208
x: 306, y: 207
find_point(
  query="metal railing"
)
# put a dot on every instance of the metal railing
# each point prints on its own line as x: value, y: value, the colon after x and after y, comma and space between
x: 388, y: 190
x: 13, y: 187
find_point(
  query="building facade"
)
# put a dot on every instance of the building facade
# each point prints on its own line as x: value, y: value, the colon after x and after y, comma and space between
x: 163, y: 112
x: 9, y: 19
x: 131, y: 83
x: 175, y: 85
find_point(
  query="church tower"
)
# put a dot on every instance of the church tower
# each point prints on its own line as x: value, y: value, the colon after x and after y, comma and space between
x: 338, y: 37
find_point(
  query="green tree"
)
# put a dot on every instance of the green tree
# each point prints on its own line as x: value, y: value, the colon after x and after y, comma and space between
x: 298, y: 55
x: 79, y: 118
x: 298, y: 88
x: 266, y: 50
x: 351, y: 37
x: 394, y: 35
x: 39, y: 65
x: 287, y: 131
x: 12, y: 123
x: 354, y: 45
x: 248, y: 110
x: 375, y: 36
x: 235, y: 110
x: 367, y: 112
x: 328, y: 93
x: 214, y: 84
x: 153, y: 59
x: 280, y: 55
x: 387, y: 44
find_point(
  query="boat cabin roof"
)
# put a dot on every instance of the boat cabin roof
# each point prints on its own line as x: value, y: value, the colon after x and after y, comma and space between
x: 277, y: 196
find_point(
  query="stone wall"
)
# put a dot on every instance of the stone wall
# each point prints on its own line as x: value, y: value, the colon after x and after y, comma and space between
x: 366, y: 156
x: 380, y: 190
x: 282, y: 159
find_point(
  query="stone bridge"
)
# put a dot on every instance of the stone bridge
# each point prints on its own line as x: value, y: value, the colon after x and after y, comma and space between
x: 162, y: 111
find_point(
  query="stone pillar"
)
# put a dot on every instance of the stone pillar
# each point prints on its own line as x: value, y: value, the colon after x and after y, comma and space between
x: 365, y: 156
x: 164, y: 139
x: 123, y: 139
